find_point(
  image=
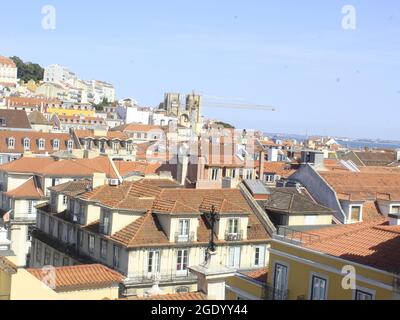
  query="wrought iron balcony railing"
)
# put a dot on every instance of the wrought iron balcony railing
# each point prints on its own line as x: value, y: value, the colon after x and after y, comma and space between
x: 234, y: 236
x: 184, y: 238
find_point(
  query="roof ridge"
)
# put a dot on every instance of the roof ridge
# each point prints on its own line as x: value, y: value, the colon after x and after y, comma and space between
x: 145, y: 217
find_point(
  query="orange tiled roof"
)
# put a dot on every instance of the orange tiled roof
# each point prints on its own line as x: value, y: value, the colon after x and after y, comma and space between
x: 282, y: 169
x: 81, y: 134
x: 82, y: 277
x: 7, y: 62
x: 137, y: 127
x: 373, y: 243
x: 30, y: 102
x: 34, y: 137
x: 126, y: 167
x: 260, y: 275
x: 28, y: 190
x: 363, y: 185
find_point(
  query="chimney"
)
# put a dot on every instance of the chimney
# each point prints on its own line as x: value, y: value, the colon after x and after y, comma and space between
x: 261, y: 167
x: 211, y: 277
x: 98, y: 180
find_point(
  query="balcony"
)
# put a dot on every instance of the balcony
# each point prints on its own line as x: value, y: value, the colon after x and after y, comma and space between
x: 189, y: 238
x: 164, y: 277
x: 231, y: 237
x: 271, y: 293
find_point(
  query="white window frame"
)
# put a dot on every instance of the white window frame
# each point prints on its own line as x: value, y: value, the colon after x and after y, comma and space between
x: 56, y: 144
x: 232, y: 226
x: 234, y: 257
x: 103, y: 249
x: 183, y: 229
x: 361, y: 212
x: 214, y: 174
x: 27, y: 144
x: 182, y: 267
x: 42, y: 144
x: 153, y: 262
x: 261, y: 256
x: 391, y: 208
x: 11, y: 143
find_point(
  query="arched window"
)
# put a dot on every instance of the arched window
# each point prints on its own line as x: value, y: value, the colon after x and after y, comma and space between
x: 70, y: 144
x: 27, y: 144
x: 56, y: 144
x: 41, y: 144
x: 11, y: 143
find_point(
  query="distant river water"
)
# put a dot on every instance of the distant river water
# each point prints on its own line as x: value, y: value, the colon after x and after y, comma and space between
x: 371, y: 145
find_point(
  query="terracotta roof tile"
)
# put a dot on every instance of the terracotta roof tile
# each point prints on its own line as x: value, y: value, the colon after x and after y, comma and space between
x: 28, y: 190
x: 82, y: 277
x: 373, y: 243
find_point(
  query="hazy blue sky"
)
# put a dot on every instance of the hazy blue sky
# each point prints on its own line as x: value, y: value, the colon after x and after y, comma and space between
x: 290, y: 54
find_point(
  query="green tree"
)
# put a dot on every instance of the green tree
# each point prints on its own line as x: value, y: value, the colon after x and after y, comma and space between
x: 28, y: 71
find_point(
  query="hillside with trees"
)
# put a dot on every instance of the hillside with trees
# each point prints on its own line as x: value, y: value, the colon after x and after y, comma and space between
x: 28, y: 70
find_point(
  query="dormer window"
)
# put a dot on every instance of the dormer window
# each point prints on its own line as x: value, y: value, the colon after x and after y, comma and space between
x: 70, y: 145
x: 56, y: 144
x: 27, y: 144
x: 395, y: 209
x: 233, y: 226
x: 11, y: 143
x: 183, y: 231
x: 355, y: 213
x: 41, y: 144
x: 105, y: 225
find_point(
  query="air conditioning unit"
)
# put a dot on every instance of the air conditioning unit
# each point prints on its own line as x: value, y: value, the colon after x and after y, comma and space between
x: 114, y: 182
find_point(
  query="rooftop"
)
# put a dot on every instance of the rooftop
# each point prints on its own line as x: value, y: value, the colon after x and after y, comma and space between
x: 82, y: 277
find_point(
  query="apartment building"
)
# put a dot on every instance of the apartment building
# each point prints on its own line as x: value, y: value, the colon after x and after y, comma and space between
x: 8, y: 72
x: 30, y: 104
x: 24, y: 184
x: 57, y: 73
x: 353, y: 194
x: 15, y: 143
x: 65, y: 123
x: 147, y: 232
x: 141, y: 133
x: 345, y: 262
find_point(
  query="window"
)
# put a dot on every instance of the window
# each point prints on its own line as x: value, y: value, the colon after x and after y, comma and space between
x: 269, y: 178
x: 47, y: 255
x: 11, y: 143
x: 182, y: 262
x: 41, y: 144
x: 27, y: 144
x: 310, y: 220
x: 91, y: 244
x: 249, y: 174
x: 280, y: 281
x: 259, y: 256
x: 116, y: 258
x: 29, y: 233
x: 80, y: 238
x: 30, y: 207
x: 65, y: 261
x: 234, y: 257
x: 60, y: 231
x: 214, y: 174
x: 51, y: 226
x: 70, y: 234
x: 65, y: 200
x: 318, y: 288
x: 395, y: 209
x: 355, y: 213
x: 56, y: 259
x: 362, y: 295
x: 39, y: 253
x: 70, y: 145
x: 106, y: 222
x: 183, y: 229
x: 233, y: 226
x: 154, y: 261
x: 233, y: 173
x: 56, y: 144
x: 103, y: 249
x: 182, y: 290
